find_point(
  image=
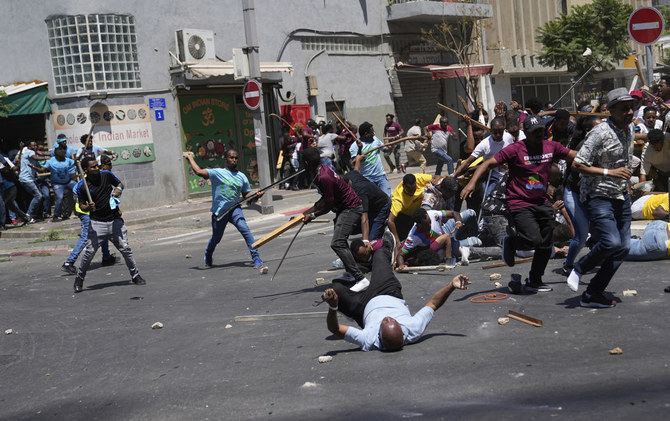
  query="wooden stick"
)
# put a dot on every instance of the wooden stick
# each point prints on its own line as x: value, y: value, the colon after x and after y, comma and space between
x: 279, y: 117
x: 43, y: 174
x: 639, y: 72
x: 654, y: 98
x: 282, y: 229
x: 439, y: 268
x: 499, y: 265
x: 338, y: 107
x: 346, y: 127
x: 465, y: 104
x: 83, y: 179
x: 523, y: 318
x: 474, y: 122
x: 404, y: 139
x: 595, y: 107
x: 582, y: 114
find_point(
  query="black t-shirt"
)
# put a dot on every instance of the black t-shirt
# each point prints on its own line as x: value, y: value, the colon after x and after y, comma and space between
x: 373, y: 199
x: 101, y: 194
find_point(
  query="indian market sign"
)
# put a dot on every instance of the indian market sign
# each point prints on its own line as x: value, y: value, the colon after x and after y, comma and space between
x: 123, y: 129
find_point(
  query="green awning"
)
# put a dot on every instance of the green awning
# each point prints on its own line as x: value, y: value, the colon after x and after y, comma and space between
x: 31, y: 101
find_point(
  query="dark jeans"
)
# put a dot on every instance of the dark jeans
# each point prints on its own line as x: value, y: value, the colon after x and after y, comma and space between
x: 235, y: 217
x: 346, y: 224
x: 378, y: 222
x: 474, y: 202
x: 442, y: 158
x: 382, y: 282
x: 395, y: 150
x: 610, y: 225
x: 534, y: 228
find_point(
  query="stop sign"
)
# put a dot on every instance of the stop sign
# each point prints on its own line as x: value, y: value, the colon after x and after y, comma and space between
x: 251, y: 94
x: 645, y: 25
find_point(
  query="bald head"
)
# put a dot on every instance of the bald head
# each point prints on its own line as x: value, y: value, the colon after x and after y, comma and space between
x: 391, y: 336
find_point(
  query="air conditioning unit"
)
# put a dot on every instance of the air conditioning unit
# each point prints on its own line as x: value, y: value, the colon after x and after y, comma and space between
x: 194, y: 45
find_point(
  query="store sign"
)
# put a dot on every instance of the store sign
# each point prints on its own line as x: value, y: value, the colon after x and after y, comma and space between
x: 123, y: 129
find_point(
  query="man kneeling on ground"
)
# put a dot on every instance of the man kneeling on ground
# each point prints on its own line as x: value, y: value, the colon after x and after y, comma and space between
x: 380, y: 310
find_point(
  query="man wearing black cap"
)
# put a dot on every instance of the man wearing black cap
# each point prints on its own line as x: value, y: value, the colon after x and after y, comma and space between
x: 531, y: 217
x: 393, y: 131
x: 605, y: 163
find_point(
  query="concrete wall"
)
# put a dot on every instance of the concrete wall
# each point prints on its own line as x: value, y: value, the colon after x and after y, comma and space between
x: 360, y: 80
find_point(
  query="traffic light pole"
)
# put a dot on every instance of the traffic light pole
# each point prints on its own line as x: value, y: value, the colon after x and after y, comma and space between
x: 264, y: 175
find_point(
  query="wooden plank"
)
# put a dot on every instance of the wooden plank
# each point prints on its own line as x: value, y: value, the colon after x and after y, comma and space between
x: 523, y: 318
x: 439, y: 268
x: 499, y: 265
x: 282, y: 229
x: 286, y: 316
x: 474, y: 122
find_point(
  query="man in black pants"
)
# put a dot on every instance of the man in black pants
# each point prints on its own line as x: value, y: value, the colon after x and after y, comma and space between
x: 106, y: 222
x: 380, y: 310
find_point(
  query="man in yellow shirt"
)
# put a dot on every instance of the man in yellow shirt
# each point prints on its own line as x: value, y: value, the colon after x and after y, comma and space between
x: 654, y: 206
x: 406, y: 198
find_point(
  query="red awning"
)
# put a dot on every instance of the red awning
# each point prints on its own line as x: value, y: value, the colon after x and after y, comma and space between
x: 448, y: 72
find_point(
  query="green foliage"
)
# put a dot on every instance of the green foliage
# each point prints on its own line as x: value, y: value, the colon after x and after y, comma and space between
x: 5, y: 109
x: 665, y: 11
x: 600, y: 26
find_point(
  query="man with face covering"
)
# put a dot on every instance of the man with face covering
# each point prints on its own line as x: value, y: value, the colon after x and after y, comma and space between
x: 106, y: 222
x: 385, y: 320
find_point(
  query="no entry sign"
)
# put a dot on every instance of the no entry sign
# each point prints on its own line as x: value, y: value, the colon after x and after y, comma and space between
x: 251, y: 94
x: 645, y: 25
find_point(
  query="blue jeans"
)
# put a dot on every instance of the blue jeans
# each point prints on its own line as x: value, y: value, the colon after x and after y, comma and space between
x: 610, y: 226
x: 85, y: 220
x: 492, y: 180
x: 580, y: 221
x: 378, y: 224
x: 329, y: 163
x: 235, y: 217
x: 653, y: 245
x: 46, y: 198
x: 442, y: 157
x: 382, y: 182
x: 465, y: 236
x: 31, y: 188
x: 59, y: 192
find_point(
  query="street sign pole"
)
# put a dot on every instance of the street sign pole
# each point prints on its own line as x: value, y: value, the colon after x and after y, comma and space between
x: 264, y: 177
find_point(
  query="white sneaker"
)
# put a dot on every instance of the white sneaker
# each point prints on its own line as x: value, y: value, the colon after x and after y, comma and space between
x: 465, y: 255
x: 573, y: 280
x: 361, y: 285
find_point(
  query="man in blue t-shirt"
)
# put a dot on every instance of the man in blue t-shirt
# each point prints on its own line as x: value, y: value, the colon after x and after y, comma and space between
x: 371, y: 167
x: 61, y: 142
x: 89, y: 149
x: 27, y: 175
x: 62, y: 178
x: 227, y: 185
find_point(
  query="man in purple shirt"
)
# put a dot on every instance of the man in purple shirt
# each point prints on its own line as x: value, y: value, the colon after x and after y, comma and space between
x: 339, y: 197
x: 392, y: 131
x: 531, y: 218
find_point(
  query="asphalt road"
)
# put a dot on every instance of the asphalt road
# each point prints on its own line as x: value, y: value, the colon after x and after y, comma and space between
x: 94, y: 355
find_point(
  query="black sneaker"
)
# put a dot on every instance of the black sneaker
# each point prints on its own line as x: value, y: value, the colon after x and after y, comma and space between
x: 667, y: 289
x: 68, y: 268
x: 515, y: 284
x: 110, y: 261
x: 596, y: 300
x: 566, y: 269
x: 138, y: 280
x: 389, y: 242
x: 78, y: 284
x: 508, y: 250
x: 537, y: 286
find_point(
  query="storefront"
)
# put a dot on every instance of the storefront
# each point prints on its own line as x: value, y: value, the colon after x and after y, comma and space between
x: 29, y: 107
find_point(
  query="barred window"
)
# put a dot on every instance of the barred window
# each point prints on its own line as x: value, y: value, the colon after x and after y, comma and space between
x: 336, y: 45
x: 93, y: 52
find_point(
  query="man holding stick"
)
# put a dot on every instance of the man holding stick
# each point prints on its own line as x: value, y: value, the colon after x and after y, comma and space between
x: 99, y: 196
x: 371, y: 167
x: 227, y: 185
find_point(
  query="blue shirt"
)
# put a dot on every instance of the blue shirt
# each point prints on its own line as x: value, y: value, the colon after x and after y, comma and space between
x: 60, y: 170
x: 69, y: 150
x: 387, y: 306
x: 27, y: 174
x: 371, y: 167
x: 226, y: 188
x: 95, y: 151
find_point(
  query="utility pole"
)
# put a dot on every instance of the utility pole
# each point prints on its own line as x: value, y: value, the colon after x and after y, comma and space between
x: 251, y: 50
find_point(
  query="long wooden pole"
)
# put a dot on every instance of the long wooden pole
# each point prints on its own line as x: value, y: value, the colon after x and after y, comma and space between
x: 279, y: 117
x: 282, y: 229
x: 83, y: 181
x: 498, y: 265
x: 403, y: 139
x: 463, y: 116
x: 640, y: 74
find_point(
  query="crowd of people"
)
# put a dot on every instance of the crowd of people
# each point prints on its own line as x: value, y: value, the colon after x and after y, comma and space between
x: 539, y: 183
